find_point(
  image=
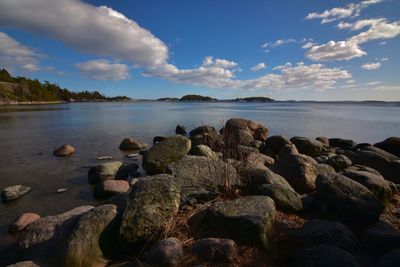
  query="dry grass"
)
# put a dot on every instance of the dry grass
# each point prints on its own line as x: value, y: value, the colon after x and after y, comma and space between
x: 391, y: 214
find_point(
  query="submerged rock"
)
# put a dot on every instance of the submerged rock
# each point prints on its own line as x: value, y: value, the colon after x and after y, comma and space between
x: 131, y: 144
x: 102, y: 172
x: 13, y: 192
x: 64, y: 151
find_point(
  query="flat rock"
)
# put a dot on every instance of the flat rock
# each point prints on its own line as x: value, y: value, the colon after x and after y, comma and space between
x: 102, y: 172
x: 13, y: 192
x: 64, y: 151
x: 109, y: 188
x: 22, y: 221
x: 166, y: 252
x: 131, y: 144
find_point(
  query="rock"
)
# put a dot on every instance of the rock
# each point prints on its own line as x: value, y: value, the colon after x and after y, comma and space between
x: 158, y: 139
x: 180, y: 129
x: 257, y: 144
x: 109, y: 188
x: 275, y: 143
x: 102, y: 172
x: 204, y: 151
x: 209, y: 130
x: 159, y: 156
x: 93, y: 238
x: 391, y: 259
x: 339, y: 162
x: 103, y: 157
x: 24, y: 264
x: 357, y: 167
x: 132, y: 156
x: 246, y: 219
x: 381, y: 152
x: 299, y: 170
x: 194, y: 173
x: 216, y: 249
x: 127, y: 171
x: 51, y: 228
x: 13, y: 192
x: 324, y: 168
x: 243, y: 132
x: 323, y: 140
x: 342, y: 143
x: 204, y: 139
x: 349, y: 199
x: 22, y: 221
x: 313, y: 206
x: 131, y: 144
x: 320, y: 232
x: 288, y: 149
x: 64, y: 151
x: 308, y: 146
x: 323, y: 256
x: 375, y: 183
x: 285, y: 199
x: 321, y: 159
x: 167, y: 252
x: 256, y: 158
x: 152, y: 201
x: 61, y: 190
x: 391, y: 145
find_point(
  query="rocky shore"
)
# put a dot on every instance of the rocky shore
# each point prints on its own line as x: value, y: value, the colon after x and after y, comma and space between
x: 228, y: 197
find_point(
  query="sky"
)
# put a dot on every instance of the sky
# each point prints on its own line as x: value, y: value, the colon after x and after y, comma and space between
x: 287, y: 50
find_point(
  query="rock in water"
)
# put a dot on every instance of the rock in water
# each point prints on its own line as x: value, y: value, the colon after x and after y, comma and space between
x: 246, y: 219
x: 94, y: 238
x: 160, y: 155
x: 64, y: 151
x: 13, y: 192
x: 102, y: 172
x: 166, y: 253
x: 349, y: 199
x: 152, y: 201
x: 109, y: 188
x: 22, y: 221
x: 180, y: 129
x: 131, y: 144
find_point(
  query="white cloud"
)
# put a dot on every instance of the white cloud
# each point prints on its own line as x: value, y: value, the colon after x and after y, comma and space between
x: 95, y: 30
x: 372, y: 83
x: 258, y: 66
x: 383, y: 43
x: 378, y: 29
x: 384, y: 59
x: 371, y: 66
x: 279, y: 42
x: 14, y: 55
x: 387, y: 88
x: 351, y: 10
x: 308, y: 45
x: 104, y: 70
x: 341, y: 50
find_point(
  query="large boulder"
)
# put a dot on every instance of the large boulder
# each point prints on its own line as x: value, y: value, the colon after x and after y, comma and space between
x: 194, y: 173
x: 320, y: 232
x: 131, y: 144
x: 381, y: 152
x: 342, y: 143
x: 13, y: 192
x: 299, y: 170
x: 245, y: 219
x: 391, y: 145
x: 216, y: 249
x: 339, y: 162
x: 274, y: 144
x: 152, y: 201
x: 349, y: 199
x: 160, y: 155
x: 167, y: 252
x: 22, y: 221
x: 309, y: 147
x: 204, y: 135
x: 286, y: 200
x: 239, y: 131
x: 259, y: 159
x: 102, y: 172
x: 94, y: 238
x: 323, y: 256
x: 109, y: 188
x: 64, y: 150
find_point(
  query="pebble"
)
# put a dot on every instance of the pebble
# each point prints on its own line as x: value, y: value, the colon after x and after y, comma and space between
x: 61, y: 190
x: 104, y: 157
x: 130, y: 156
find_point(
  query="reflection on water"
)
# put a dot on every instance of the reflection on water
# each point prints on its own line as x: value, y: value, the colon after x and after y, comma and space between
x: 29, y: 134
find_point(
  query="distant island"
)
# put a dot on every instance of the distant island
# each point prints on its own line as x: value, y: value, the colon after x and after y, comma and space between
x: 254, y: 99
x: 21, y: 90
x: 188, y: 98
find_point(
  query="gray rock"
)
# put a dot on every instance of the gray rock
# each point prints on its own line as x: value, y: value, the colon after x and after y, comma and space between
x: 339, y: 162
x: 167, y: 252
x: 324, y: 168
x: 240, y: 131
x: 216, y: 249
x: 391, y: 259
x: 109, y: 188
x: 309, y: 147
x: 170, y: 150
x: 288, y: 149
x: 22, y: 221
x: 275, y: 143
x: 256, y: 158
x: 320, y: 232
x: 391, y: 145
x: 64, y: 151
x: 381, y: 152
x: 152, y: 201
x: 246, y: 219
x: 323, y: 140
x: 342, y: 143
x: 357, y: 167
x: 93, y: 238
x: 131, y: 144
x: 285, y: 199
x: 102, y: 172
x: 13, y: 192
x: 323, y: 256
x: 380, y: 238
x: 180, y: 129
x: 204, y: 151
x: 349, y: 199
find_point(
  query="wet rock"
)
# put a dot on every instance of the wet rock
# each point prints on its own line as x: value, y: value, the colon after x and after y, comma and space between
x: 180, y: 129
x: 285, y: 199
x: 153, y: 200
x: 167, y: 252
x: 13, y: 192
x: 339, y: 162
x: 204, y: 151
x: 159, y: 156
x: 109, y: 188
x: 64, y: 151
x: 22, y: 221
x: 216, y: 249
x: 391, y: 145
x: 349, y: 199
x: 102, y: 172
x: 342, y: 143
x: 246, y: 219
x: 308, y: 146
x: 323, y: 256
x: 131, y: 144
x: 391, y: 259
x: 93, y: 238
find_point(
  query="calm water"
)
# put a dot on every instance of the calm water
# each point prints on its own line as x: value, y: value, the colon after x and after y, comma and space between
x: 29, y: 134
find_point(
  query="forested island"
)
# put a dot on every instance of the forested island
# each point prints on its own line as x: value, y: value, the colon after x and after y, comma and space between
x: 188, y: 98
x: 16, y: 90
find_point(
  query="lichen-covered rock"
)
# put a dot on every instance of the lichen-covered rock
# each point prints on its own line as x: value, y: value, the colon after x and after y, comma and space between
x: 286, y: 200
x: 102, y: 172
x: 391, y: 145
x: 64, y: 151
x: 349, y: 199
x: 22, y: 221
x: 216, y: 249
x: 131, y: 144
x: 246, y: 219
x: 109, y: 188
x: 339, y: 162
x: 309, y: 147
x: 160, y: 155
x: 13, y: 192
x: 166, y: 252
x: 93, y: 238
x: 152, y: 201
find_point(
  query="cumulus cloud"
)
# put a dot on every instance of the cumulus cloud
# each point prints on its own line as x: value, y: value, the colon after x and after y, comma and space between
x: 387, y: 88
x: 277, y: 43
x: 341, y: 50
x: 371, y: 65
x: 308, y: 45
x: 104, y: 70
x: 14, y: 55
x: 96, y: 30
x: 258, y: 66
x: 351, y: 10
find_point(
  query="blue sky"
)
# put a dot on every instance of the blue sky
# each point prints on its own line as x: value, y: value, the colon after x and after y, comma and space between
x: 302, y: 50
